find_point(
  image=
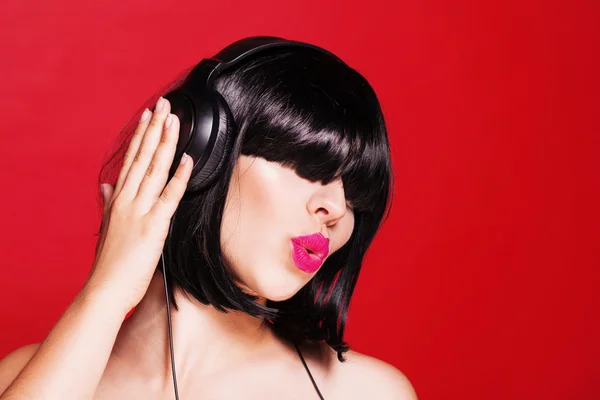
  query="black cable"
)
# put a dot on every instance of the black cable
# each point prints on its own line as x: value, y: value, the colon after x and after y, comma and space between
x: 308, y: 370
x: 162, y: 257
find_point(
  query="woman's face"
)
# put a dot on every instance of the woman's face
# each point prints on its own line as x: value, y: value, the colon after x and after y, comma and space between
x: 267, y: 205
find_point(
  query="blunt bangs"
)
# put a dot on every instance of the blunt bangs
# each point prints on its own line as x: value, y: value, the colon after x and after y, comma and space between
x: 310, y: 112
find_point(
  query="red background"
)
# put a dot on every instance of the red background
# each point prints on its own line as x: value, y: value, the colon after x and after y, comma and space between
x: 481, y: 284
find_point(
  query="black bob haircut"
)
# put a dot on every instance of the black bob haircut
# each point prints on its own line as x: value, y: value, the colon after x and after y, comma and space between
x: 309, y: 112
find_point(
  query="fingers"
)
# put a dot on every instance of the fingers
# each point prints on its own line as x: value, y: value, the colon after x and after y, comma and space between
x: 167, y: 203
x: 107, y: 192
x: 157, y: 173
x: 145, y: 153
x: 134, y: 145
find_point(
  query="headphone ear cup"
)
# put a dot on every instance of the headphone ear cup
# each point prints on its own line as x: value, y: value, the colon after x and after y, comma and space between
x: 222, y: 148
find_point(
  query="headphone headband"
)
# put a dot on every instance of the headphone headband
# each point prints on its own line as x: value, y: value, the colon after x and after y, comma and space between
x: 208, y: 69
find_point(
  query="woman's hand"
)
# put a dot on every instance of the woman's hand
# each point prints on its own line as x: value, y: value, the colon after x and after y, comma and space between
x: 71, y: 360
x: 138, y: 210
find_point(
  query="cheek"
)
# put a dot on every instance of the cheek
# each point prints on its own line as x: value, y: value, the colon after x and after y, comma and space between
x: 267, y: 198
x: 254, y: 220
x: 255, y: 249
x: 257, y: 223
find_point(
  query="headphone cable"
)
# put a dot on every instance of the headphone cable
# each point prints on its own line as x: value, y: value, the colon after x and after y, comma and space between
x: 162, y: 257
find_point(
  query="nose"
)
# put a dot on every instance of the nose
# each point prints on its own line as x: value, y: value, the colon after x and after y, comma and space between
x: 328, y: 202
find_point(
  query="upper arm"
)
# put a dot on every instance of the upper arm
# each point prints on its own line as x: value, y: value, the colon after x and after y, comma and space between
x: 12, y: 365
x: 361, y: 376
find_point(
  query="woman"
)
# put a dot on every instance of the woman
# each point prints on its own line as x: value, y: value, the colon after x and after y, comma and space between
x: 261, y: 261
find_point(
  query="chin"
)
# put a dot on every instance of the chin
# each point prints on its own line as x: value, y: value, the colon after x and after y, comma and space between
x: 278, y: 286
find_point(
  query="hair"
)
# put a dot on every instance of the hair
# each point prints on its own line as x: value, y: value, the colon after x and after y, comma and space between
x: 307, y: 111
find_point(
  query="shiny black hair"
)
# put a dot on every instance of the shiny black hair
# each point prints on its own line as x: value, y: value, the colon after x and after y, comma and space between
x: 309, y: 112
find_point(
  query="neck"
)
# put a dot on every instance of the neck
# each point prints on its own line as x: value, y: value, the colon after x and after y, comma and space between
x: 202, y: 336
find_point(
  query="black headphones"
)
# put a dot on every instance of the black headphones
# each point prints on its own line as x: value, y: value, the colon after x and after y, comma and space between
x: 200, y: 108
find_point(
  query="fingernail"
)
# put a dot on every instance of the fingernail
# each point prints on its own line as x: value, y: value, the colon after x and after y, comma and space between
x: 168, y: 121
x: 184, y: 158
x: 160, y: 104
x: 103, y: 189
x: 145, y: 115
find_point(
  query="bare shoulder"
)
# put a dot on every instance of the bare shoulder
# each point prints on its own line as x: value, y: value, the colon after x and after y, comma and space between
x: 362, y: 376
x: 12, y: 365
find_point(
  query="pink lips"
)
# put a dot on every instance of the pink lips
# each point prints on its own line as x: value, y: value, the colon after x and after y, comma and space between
x: 309, y: 251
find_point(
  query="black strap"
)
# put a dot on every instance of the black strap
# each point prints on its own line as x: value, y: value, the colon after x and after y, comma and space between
x: 307, y: 370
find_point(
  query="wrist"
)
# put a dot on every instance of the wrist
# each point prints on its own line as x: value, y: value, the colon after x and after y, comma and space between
x: 108, y: 298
